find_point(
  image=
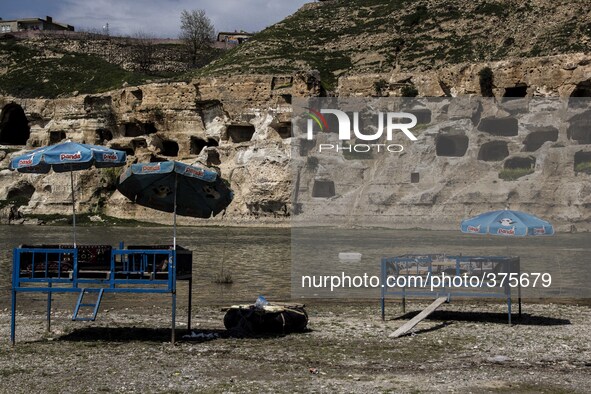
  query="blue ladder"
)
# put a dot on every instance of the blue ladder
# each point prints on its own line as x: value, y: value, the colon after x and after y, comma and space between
x: 96, y: 305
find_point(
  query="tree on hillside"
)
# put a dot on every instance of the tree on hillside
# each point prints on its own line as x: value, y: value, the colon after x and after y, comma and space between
x: 142, y: 51
x: 197, y: 33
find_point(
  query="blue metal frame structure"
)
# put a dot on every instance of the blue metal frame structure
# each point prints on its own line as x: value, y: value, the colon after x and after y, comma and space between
x: 391, y: 266
x: 50, y: 270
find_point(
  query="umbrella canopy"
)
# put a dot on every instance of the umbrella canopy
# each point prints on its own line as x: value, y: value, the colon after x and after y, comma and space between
x: 175, y: 187
x: 199, y: 192
x: 68, y: 156
x: 507, y: 223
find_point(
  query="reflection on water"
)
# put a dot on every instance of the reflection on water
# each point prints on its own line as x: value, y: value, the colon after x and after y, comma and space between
x: 257, y: 259
x: 315, y: 252
x: 260, y: 259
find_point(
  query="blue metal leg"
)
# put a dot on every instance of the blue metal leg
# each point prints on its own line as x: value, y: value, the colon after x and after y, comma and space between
x: 383, y: 308
x: 172, y: 339
x: 509, y: 307
x: 49, y: 309
x: 13, y: 318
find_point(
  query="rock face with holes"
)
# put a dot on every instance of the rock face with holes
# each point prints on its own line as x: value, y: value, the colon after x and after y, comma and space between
x: 456, y: 169
x: 240, y: 126
x: 556, y: 76
x: 463, y: 163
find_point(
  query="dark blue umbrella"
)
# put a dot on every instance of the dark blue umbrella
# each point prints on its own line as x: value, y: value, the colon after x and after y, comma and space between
x: 68, y: 156
x: 507, y: 223
x: 176, y: 187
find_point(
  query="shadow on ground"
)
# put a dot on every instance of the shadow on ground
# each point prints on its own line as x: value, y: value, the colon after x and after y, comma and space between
x: 127, y: 334
x: 489, y: 317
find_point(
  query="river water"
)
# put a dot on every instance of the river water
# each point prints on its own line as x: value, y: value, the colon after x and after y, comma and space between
x: 566, y: 257
x: 260, y: 260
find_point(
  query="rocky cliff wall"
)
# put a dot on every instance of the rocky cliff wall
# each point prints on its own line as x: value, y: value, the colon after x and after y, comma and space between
x: 241, y: 125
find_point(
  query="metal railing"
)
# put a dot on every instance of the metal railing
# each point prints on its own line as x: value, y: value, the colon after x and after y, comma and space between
x: 60, y: 270
x: 424, y: 269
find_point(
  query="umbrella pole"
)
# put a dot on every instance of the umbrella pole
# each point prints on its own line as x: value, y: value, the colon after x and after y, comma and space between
x: 73, y: 205
x: 174, y: 212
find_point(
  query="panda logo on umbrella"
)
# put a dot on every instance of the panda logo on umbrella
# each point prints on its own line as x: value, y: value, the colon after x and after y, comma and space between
x: 506, y: 222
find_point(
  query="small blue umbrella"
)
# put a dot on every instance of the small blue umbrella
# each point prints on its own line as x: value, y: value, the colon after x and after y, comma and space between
x: 171, y: 186
x: 68, y: 156
x: 507, y: 223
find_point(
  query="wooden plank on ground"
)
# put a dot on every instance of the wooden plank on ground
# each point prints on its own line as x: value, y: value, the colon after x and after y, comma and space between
x: 417, y: 319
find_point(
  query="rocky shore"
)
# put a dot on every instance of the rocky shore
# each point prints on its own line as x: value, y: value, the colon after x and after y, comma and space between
x: 464, y: 347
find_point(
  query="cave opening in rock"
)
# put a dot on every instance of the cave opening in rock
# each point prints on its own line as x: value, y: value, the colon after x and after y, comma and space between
x: 197, y: 144
x: 323, y: 189
x: 493, y: 151
x: 451, y: 145
x: 536, y: 139
x: 520, y: 162
x: 170, y: 148
x: 22, y: 191
x: 423, y: 116
x: 137, y: 143
x: 286, y: 98
x: 582, y: 162
x: 583, y: 89
x: 149, y: 128
x: 137, y: 94
x: 240, y: 133
x: 56, y: 136
x: 578, y: 96
x: 14, y: 126
x: 503, y: 127
x: 133, y: 130
x: 213, y: 157
x: 517, y: 91
x: 283, y: 129
x: 306, y: 146
x: 102, y: 135
x: 579, y: 128
x: 136, y: 129
x: 25, y: 190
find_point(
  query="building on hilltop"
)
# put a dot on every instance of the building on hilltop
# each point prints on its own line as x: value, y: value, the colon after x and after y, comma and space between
x: 231, y: 39
x: 32, y: 24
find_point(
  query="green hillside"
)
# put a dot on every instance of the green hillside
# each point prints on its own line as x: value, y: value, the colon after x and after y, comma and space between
x: 353, y: 36
x: 30, y: 73
x: 335, y: 37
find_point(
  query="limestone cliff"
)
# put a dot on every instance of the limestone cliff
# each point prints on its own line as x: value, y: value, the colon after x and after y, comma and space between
x: 241, y: 125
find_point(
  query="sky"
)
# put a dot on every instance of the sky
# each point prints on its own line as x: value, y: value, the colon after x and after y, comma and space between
x: 158, y: 18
